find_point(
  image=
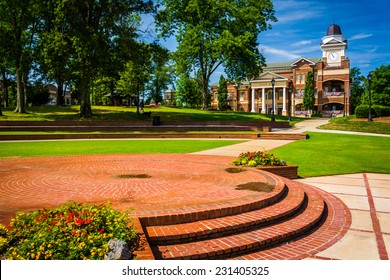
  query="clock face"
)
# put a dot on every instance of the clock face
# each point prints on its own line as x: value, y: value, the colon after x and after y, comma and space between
x: 333, y: 56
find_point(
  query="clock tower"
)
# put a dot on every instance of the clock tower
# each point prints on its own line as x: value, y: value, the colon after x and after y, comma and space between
x: 333, y: 46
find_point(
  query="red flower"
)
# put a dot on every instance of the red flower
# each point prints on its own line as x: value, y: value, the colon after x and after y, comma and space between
x: 9, y: 227
x: 54, y: 223
x: 48, y: 229
x: 74, y: 233
x: 36, y: 219
x: 102, y: 230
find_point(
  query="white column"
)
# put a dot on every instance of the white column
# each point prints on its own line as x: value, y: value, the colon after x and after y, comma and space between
x: 253, y: 100
x: 263, y: 101
x: 284, y: 101
x: 275, y: 101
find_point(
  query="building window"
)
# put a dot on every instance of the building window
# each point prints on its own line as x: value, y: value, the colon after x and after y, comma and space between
x: 303, y: 79
x: 280, y: 94
x: 298, y: 79
x: 269, y: 95
x: 242, y: 96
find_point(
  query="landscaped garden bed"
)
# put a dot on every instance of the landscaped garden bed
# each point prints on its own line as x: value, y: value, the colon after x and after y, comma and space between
x: 267, y: 162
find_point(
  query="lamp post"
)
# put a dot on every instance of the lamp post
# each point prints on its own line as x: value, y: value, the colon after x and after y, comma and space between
x: 273, y: 100
x: 369, y: 77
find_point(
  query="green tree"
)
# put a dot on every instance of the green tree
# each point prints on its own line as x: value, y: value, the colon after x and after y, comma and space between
x: 55, y: 46
x: 357, y: 88
x: 189, y: 91
x: 222, y: 94
x: 380, y: 87
x: 135, y: 76
x: 18, y: 26
x: 309, y: 91
x: 95, y: 28
x: 212, y: 33
x: 161, y: 70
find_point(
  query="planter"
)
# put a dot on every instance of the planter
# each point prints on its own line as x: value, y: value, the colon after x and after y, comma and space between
x: 287, y: 171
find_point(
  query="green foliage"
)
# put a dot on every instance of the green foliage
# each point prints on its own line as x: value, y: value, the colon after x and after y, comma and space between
x: 212, y: 33
x: 222, y: 94
x: 309, y: 91
x: 254, y: 159
x: 380, y: 87
x: 162, y: 72
x: 361, y: 111
x: 72, y: 231
x: 189, y: 92
x: 381, y: 111
x: 357, y: 87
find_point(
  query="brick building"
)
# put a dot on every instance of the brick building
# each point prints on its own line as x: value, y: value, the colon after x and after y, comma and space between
x: 331, y: 80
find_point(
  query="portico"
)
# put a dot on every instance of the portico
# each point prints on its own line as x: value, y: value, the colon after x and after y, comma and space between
x: 262, y: 94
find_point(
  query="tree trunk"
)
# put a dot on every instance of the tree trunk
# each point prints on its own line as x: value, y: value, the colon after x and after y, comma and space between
x: 60, y: 93
x: 85, y: 100
x: 20, y: 106
x: 205, y: 84
x: 5, y: 85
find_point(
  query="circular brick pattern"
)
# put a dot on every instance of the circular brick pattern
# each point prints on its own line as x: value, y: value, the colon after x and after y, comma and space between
x: 168, y: 182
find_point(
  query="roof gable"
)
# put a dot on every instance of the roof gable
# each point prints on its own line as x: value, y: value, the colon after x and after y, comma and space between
x: 266, y: 76
x: 302, y: 60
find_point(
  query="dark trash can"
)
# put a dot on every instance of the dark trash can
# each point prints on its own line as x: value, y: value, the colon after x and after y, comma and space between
x: 156, y: 120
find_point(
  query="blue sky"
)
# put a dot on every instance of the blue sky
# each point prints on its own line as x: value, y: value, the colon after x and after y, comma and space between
x: 302, y: 24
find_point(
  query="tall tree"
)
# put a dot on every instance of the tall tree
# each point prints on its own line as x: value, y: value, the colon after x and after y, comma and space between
x: 380, y: 86
x: 309, y: 91
x: 161, y: 70
x: 189, y: 91
x: 18, y: 25
x: 135, y: 75
x: 94, y: 29
x: 222, y: 94
x: 212, y: 33
x: 357, y: 89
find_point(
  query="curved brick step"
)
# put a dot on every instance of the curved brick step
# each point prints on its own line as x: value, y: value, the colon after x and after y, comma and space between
x: 216, y: 211
x: 254, y: 240
x: 218, y: 227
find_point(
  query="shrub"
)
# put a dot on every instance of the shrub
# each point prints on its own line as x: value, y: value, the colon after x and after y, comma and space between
x: 361, y: 111
x: 254, y: 159
x: 71, y: 231
x: 381, y: 111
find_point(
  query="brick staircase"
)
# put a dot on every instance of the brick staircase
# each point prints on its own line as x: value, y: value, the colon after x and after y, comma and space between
x: 237, y: 231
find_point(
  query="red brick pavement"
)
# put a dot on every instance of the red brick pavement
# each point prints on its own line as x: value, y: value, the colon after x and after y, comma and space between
x: 161, y: 189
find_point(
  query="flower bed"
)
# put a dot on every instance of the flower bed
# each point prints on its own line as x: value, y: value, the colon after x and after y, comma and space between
x: 72, y: 231
x: 267, y: 162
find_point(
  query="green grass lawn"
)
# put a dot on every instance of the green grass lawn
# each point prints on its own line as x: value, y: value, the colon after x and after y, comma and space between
x: 111, y: 113
x: 360, y: 125
x: 330, y: 154
x: 62, y: 148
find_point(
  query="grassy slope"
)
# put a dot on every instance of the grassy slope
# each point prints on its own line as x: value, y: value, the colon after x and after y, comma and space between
x: 110, y: 113
x: 329, y: 154
x: 360, y: 125
x: 60, y: 148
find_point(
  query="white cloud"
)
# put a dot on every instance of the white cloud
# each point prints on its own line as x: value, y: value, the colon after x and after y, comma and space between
x: 360, y: 36
x: 301, y: 43
x: 278, y: 54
